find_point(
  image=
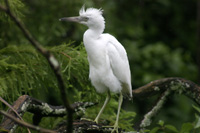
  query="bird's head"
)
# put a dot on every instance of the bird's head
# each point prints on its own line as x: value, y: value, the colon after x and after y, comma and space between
x: 91, y: 17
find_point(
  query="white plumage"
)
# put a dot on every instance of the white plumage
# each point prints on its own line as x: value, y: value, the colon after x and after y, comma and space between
x: 109, y: 67
x: 108, y: 62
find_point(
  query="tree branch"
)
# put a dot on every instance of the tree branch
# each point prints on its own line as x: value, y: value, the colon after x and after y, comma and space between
x: 38, y: 108
x: 175, y: 84
x: 154, y: 111
x: 7, y: 104
x: 22, y: 123
x: 3, y: 8
x: 51, y: 60
x: 166, y: 87
x: 84, y: 126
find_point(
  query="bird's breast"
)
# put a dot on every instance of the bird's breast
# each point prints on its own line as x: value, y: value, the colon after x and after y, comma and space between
x: 96, y: 50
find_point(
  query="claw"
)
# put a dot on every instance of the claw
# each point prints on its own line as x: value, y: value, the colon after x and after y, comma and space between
x: 115, y: 128
x: 96, y: 121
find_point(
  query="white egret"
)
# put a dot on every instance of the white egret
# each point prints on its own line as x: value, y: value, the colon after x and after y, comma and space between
x: 108, y: 63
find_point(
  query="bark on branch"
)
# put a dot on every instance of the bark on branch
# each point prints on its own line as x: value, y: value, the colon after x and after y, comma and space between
x: 175, y: 84
x: 26, y: 103
x: 165, y: 87
x: 22, y: 123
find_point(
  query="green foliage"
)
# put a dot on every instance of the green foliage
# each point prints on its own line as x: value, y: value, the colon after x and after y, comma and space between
x: 8, y: 29
x: 188, y: 127
x: 162, y: 128
x: 16, y: 7
x: 197, y: 116
x: 24, y: 71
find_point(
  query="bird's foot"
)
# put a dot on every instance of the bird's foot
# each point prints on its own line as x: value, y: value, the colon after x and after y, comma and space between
x: 89, y: 120
x: 96, y: 121
x: 114, y: 128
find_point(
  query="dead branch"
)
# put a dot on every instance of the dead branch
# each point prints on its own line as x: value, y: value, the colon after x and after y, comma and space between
x: 22, y: 123
x: 165, y: 87
x: 26, y: 103
x: 7, y: 104
x: 175, y: 84
x: 84, y: 126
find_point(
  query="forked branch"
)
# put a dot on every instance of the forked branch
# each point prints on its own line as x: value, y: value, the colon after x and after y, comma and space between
x: 165, y: 87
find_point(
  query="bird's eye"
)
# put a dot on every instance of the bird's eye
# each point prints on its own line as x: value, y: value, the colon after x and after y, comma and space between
x: 85, y: 18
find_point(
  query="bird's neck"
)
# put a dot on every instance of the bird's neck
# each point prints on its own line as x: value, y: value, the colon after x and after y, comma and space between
x: 89, y: 38
x: 95, y: 31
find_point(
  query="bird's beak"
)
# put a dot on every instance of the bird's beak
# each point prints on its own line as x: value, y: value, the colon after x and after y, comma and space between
x: 71, y: 19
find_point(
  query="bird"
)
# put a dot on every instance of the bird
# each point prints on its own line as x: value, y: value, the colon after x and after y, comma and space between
x: 109, y: 69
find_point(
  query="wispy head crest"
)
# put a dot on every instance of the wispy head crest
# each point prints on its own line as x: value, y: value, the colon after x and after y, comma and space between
x: 90, y: 11
x: 82, y: 10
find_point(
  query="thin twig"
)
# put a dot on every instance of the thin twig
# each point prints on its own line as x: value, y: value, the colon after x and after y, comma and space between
x: 22, y: 123
x: 7, y: 5
x: 155, y: 109
x: 6, y: 103
x: 52, y: 62
x: 3, y: 8
x: 66, y: 55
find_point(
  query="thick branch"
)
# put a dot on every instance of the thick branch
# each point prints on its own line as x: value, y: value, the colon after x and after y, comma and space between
x: 165, y: 87
x: 25, y: 103
x: 177, y: 85
x: 85, y: 126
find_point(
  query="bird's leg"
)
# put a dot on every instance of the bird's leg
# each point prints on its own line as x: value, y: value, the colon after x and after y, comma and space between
x: 115, y: 129
x: 102, y: 109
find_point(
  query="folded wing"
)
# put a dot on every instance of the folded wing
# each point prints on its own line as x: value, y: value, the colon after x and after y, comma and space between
x: 119, y: 64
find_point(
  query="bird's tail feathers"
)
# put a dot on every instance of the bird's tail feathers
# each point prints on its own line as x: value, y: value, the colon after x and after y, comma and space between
x: 127, y: 91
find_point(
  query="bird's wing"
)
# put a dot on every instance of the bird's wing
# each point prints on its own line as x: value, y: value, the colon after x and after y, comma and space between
x: 119, y: 64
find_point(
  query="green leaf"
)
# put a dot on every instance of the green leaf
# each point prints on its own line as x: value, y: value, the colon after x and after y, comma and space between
x: 186, y: 128
x: 172, y: 128
x: 197, y: 122
x: 154, y: 130
x: 196, y: 108
x: 161, y: 123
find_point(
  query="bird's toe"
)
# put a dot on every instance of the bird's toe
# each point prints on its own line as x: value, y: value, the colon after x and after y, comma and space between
x: 115, y: 130
x: 85, y: 119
